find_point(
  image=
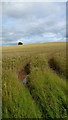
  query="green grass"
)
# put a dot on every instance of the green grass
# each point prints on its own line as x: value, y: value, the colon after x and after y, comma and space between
x: 45, y: 94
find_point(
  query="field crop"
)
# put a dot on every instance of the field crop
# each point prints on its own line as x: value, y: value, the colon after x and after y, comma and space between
x: 45, y: 93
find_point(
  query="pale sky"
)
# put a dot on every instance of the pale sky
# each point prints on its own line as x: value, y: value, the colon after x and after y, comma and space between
x: 33, y: 22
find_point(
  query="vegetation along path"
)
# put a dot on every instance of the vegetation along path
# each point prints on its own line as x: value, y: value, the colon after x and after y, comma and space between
x: 34, y: 81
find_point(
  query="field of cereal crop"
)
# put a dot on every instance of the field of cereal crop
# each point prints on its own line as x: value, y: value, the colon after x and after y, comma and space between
x: 44, y: 94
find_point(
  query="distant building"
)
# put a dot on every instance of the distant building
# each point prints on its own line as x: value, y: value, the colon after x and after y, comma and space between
x: 20, y: 43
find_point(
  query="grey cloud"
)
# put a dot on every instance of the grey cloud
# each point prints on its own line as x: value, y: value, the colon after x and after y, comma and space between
x: 27, y: 20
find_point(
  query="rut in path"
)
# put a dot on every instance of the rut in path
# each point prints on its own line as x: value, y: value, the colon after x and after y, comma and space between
x: 54, y: 66
x: 24, y: 72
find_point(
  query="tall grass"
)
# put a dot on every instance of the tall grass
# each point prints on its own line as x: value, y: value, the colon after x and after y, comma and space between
x: 44, y: 96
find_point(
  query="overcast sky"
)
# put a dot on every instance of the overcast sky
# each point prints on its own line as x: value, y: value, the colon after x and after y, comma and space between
x: 33, y: 22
